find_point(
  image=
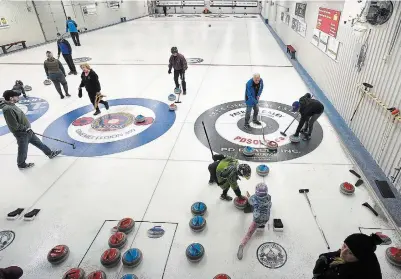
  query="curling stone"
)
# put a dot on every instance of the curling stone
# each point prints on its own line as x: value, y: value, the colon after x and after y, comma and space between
x: 126, y: 225
x: 171, y: 97
x: 386, y: 240
x: 249, y: 151
x: 272, y: 145
x: 198, y: 208
x: 262, y: 170
x: 197, y: 224
x: 195, y: 252
x: 172, y: 107
x: 110, y: 258
x: 132, y: 258
x: 347, y: 188
x: 295, y: 139
x: 177, y: 91
x: 140, y: 118
x: 118, y: 240
x: 393, y: 255
x: 47, y: 82
x: 74, y: 273
x: 240, y: 203
x: 156, y: 232
x: 27, y: 88
x: 129, y: 276
x: 221, y: 276
x: 98, y: 274
x: 58, y: 254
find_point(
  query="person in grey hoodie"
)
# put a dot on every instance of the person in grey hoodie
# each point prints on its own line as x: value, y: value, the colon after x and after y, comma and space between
x: 179, y: 64
x: 56, y: 73
x: 19, y: 125
x: 262, y: 204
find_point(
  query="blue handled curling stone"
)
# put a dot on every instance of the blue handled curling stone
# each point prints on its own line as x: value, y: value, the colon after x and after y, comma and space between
x: 222, y: 276
x: 98, y: 274
x: 195, y: 252
x: 262, y: 170
x: 197, y: 223
x: 172, y: 107
x: 240, y: 203
x: 126, y: 225
x: 295, y: 139
x: 118, y: 240
x: 171, y: 97
x: 272, y: 145
x: 177, y: 91
x: 347, y: 188
x: 132, y: 258
x: 249, y: 151
x: 27, y: 88
x: 129, y: 276
x: 58, y: 254
x: 74, y: 273
x: 47, y: 82
x: 140, y: 118
x: 156, y: 232
x: 110, y: 258
x: 198, y: 208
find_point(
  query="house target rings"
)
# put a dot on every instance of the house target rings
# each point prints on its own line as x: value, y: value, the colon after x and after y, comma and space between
x: 271, y: 255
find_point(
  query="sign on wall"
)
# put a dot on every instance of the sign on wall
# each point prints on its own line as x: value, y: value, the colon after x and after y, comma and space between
x: 285, y: 17
x: 298, y: 26
x: 3, y: 22
x: 89, y: 9
x: 245, y: 3
x: 300, y: 9
x: 115, y: 5
x: 193, y: 3
x: 329, y: 45
x: 328, y: 21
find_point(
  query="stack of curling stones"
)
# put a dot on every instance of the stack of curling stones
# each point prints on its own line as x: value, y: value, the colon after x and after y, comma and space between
x: 393, y: 255
x: 140, y: 118
x: 76, y: 273
x: 171, y: 97
x: 195, y: 252
x: 98, y: 274
x: 132, y: 257
x: 295, y: 139
x: 262, y: 170
x: 271, y: 145
x: 249, y: 151
x: 110, y: 258
x: 347, y: 188
x: 47, y: 82
x: 58, y: 254
x: 240, y: 203
x: 198, y: 222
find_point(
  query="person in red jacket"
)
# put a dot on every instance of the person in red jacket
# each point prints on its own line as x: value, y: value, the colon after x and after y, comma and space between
x: 179, y: 63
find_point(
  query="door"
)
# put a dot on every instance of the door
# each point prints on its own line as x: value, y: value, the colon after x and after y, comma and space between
x: 51, y: 17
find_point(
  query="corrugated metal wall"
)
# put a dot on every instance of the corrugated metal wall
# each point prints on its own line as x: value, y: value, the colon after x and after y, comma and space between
x: 372, y: 124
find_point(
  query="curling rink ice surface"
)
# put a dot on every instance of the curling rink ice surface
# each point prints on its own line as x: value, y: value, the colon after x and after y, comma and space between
x: 155, y: 172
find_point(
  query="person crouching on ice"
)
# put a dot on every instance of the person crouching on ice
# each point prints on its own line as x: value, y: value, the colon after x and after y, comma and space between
x: 228, y: 172
x: 261, y: 202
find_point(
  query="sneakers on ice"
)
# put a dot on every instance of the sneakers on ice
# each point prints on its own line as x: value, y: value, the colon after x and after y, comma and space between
x: 257, y: 122
x: 240, y: 252
x: 97, y: 112
x: 106, y: 105
x: 247, y: 127
x: 26, y: 166
x: 226, y: 197
x: 54, y: 154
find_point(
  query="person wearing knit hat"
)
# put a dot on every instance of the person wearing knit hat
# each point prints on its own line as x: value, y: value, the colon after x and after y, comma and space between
x: 261, y: 202
x: 310, y: 110
x: 355, y: 259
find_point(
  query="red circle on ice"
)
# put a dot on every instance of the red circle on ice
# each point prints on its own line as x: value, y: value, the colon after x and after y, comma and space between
x: 82, y: 121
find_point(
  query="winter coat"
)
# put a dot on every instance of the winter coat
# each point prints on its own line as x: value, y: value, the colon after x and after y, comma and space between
x: 355, y: 270
x: 250, y: 94
x: 261, y: 208
x: 71, y: 26
x: 53, y: 66
x: 308, y: 107
x: 226, y: 172
x: 19, y: 89
x: 64, y: 47
x: 90, y: 82
x: 15, y: 118
x: 178, y: 62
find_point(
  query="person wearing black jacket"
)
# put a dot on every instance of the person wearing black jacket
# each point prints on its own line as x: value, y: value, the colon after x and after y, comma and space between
x: 310, y: 110
x: 65, y: 48
x: 90, y: 81
x: 355, y: 260
x: 11, y: 272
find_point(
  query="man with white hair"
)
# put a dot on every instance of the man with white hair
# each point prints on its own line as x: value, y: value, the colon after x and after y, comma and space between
x: 254, y: 88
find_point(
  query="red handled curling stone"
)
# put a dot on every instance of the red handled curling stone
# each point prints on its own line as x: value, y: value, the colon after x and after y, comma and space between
x: 74, y: 273
x: 222, y: 276
x: 393, y: 255
x: 118, y: 240
x: 172, y: 107
x: 126, y: 225
x: 240, y: 203
x: 110, y: 257
x: 385, y: 238
x: 347, y: 188
x: 58, y: 254
x: 98, y: 274
x: 133, y: 257
x: 272, y: 145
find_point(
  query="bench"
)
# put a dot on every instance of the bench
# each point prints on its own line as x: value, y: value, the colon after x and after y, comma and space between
x: 6, y: 47
x: 291, y: 50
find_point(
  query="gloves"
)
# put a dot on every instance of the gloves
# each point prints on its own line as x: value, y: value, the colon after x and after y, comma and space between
x: 218, y: 157
x: 29, y: 130
x: 80, y: 92
x: 169, y: 71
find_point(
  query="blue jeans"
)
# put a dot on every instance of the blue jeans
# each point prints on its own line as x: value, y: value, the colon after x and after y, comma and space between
x: 248, y: 113
x: 23, y: 140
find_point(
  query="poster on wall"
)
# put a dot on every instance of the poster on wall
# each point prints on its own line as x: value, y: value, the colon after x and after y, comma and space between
x: 328, y: 21
x: 327, y: 44
x: 323, y: 40
x: 3, y: 23
x: 315, y: 38
x: 89, y: 9
x: 300, y: 9
x: 287, y: 19
x: 114, y: 5
x: 298, y: 26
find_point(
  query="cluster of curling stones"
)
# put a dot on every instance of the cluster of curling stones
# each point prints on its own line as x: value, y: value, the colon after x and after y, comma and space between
x: 249, y: 151
x: 195, y: 251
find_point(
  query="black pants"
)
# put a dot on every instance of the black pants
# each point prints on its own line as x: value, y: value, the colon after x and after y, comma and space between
x: 212, y: 170
x: 11, y: 272
x: 181, y: 74
x: 75, y: 38
x: 70, y: 62
x: 92, y: 97
x: 57, y: 79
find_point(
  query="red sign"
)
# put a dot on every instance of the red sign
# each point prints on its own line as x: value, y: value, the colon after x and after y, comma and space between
x: 328, y: 21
